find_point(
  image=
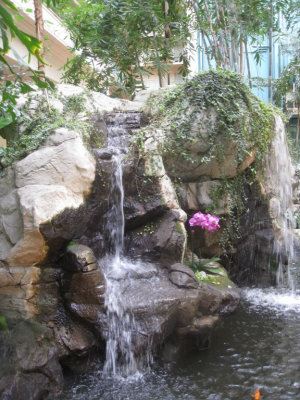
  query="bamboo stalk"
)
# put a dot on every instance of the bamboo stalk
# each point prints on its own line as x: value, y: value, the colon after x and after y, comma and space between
x: 206, y: 50
x: 218, y: 55
x: 228, y: 52
x: 157, y: 56
x: 248, y: 63
x: 241, y: 57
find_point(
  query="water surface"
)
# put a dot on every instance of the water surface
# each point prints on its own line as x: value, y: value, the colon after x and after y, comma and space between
x: 257, y: 346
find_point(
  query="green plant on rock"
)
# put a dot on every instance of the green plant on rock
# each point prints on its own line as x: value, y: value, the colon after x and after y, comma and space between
x: 233, y: 115
x: 231, y: 192
x: 36, y: 121
x: 241, y: 117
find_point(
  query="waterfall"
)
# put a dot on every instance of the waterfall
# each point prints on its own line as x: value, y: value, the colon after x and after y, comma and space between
x: 120, y: 333
x: 116, y: 213
x: 279, y: 171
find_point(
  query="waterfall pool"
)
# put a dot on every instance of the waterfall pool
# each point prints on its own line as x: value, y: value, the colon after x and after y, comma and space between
x: 256, y: 347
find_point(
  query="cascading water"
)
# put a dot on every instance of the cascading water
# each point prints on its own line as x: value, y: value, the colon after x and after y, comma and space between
x: 121, y: 326
x: 279, y: 171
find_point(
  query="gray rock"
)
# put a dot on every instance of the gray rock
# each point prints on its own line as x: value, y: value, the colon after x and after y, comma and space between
x: 182, y: 280
x: 84, y: 294
x: 50, y: 180
x: 29, y: 363
x: 13, y: 226
x: 197, y: 196
x: 183, y: 277
x: 80, y: 258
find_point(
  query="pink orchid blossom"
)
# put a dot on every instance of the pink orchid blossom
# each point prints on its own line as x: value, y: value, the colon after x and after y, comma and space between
x: 205, y: 221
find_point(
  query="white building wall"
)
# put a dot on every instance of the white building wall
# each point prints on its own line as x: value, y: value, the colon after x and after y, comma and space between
x: 56, y: 44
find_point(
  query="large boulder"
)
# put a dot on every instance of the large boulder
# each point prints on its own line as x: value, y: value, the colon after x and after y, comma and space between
x: 41, y: 334
x: 205, y: 128
x: 29, y: 363
x: 49, y: 180
x: 227, y: 155
x: 169, y: 304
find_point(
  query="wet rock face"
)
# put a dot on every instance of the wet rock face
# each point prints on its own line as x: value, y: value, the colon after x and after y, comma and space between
x: 84, y: 294
x: 170, y: 304
x: 183, y: 277
x: 160, y: 240
x: 42, y: 334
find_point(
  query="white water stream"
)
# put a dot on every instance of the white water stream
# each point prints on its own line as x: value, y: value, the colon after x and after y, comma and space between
x: 121, y: 326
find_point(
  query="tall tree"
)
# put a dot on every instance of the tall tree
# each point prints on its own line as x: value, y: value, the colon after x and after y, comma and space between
x: 128, y: 35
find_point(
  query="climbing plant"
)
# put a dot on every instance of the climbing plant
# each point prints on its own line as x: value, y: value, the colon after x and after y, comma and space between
x: 240, y: 117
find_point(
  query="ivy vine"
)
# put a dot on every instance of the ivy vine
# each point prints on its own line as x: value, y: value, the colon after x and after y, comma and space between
x: 241, y: 117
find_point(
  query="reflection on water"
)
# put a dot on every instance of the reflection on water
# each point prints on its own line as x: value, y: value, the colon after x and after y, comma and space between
x: 257, y: 346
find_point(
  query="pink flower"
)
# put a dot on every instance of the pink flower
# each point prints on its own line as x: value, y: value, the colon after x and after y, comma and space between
x: 205, y: 221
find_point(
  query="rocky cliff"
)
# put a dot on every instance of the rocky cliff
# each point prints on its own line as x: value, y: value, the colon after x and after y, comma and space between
x: 55, y: 235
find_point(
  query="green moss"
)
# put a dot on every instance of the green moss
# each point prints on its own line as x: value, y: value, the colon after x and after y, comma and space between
x: 3, y: 324
x: 71, y: 243
x: 221, y: 281
x: 179, y: 228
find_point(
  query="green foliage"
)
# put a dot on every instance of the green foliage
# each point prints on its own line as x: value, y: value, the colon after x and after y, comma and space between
x: 289, y: 81
x: 124, y: 36
x: 36, y: 121
x: 229, y: 26
x: 17, y: 79
x: 287, y: 90
x: 14, y: 82
x: 245, y: 120
x: 199, y: 265
x: 120, y: 36
x: 7, y: 24
x: 3, y: 324
x: 241, y: 120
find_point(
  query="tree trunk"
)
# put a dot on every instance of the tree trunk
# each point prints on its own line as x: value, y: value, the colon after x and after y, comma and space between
x: 298, y: 127
x: 206, y: 50
x: 157, y: 56
x: 228, y: 50
x: 248, y: 63
x: 241, y: 57
x: 218, y: 55
x: 140, y: 72
x: 167, y: 35
x: 39, y: 29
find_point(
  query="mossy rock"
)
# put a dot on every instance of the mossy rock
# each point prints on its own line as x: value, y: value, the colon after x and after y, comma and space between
x: 212, y: 125
x: 214, y: 268
x: 222, y: 281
